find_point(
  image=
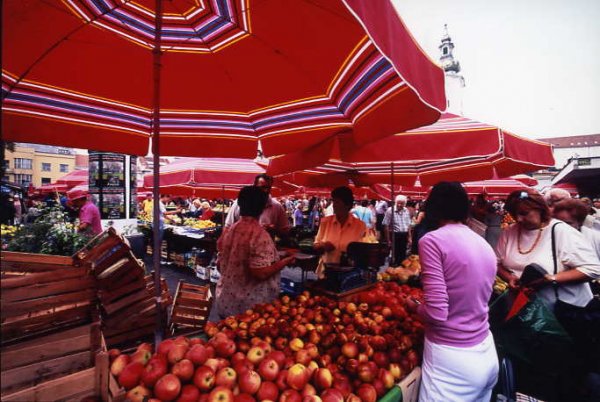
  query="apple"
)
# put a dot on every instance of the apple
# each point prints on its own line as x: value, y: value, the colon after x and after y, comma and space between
x: 204, y: 378
x: 189, y: 393
x: 311, y: 398
x: 184, y: 369
x: 177, y: 352
x: 165, y: 346
x: 167, y: 388
x: 221, y: 394
x: 137, y: 394
x: 332, y: 395
x: 265, y: 346
x: 131, y: 374
x: 268, y: 369
x: 226, y: 377
x: 182, y: 340
x: 395, y: 370
x: 197, y: 354
x: 281, y: 380
x: 308, y: 390
x: 367, y: 393
x: 119, y: 364
x: 145, y: 346
x: 343, y: 385
x: 379, y: 387
x: 352, y: 398
x: 381, y: 359
x: 297, y: 377
x: 323, y: 379
x: 243, y: 366
x: 222, y: 363
x: 155, y: 369
x: 351, y: 366
x: 387, y: 378
x: 255, y: 355
x: 365, y: 372
x: 142, y: 356
x: 249, y: 382
x: 395, y: 355
x: 311, y: 368
x: 290, y: 395
x: 196, y: 341
x: 296, y: 344
x: 303, y: 357
x: 312, y: 349
x: 279, y: 357
x: 244, y: 398
x: 225, y: 348
x: 267, y: 390
x: 113, y: 354
x: 213, y: 364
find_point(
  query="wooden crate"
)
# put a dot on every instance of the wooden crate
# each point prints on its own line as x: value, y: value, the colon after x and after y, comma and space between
x: 59, y: 366
x: 41, y: 294
x: 102, y: 251
x: 191, y: 308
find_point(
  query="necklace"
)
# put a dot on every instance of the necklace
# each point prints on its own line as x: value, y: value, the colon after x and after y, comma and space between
x: 535, y: 242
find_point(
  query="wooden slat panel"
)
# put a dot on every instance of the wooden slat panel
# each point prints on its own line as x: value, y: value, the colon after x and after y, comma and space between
x: 137, y: 323
x: 102, y: 374
x: 31, y: 258
x: 187, y: 321
x: 28, y: 376
x: 109, y: 295
x: 45, y: 352
x: 131, y: 336
x: 72, y: 332
x: 55, y: 390
x: 47, y: 289
x: 184, y: 310
x: 126, y: 301
x: 43, y: 277
x: 14, y: 309
x: 27, y: 267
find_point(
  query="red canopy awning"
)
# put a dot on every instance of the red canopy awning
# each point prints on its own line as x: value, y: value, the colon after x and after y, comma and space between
x: 288, y: 73
x: 74, y: 178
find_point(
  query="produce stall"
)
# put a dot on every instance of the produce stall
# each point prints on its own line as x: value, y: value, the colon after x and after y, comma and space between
x: 287, y: 350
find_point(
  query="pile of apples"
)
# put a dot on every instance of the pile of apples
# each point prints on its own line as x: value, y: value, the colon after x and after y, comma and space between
x: 307, y: 349
x: 410, y: 267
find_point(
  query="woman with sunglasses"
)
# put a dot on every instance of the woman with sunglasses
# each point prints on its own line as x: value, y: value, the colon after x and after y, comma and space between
x: 530, y: 241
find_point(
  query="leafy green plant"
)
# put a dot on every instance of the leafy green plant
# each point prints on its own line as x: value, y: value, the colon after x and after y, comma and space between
x: 50, y: 233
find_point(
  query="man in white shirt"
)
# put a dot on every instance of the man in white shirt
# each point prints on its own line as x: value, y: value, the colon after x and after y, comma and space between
x: 400, y: 230
x: 273, y: 217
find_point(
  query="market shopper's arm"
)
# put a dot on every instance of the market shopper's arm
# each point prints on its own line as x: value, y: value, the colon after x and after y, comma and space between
x: 435, y: 293
x: 509, y: 277
x: 263, y: 273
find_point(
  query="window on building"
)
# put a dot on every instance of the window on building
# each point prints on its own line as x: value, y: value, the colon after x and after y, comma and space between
x: 23, y: 163
x: 64, y: 168
x: 46, y: 167
x: 6, y: 164
x: 445, y: 51
x: 46, y: 180
x: 23, y: 179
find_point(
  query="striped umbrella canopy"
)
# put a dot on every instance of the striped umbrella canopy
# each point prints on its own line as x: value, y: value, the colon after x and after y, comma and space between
x: 525, y: 179
x: 454, y: 148
x: 51, y: 188
x: 74, y: 178
x: 292, y: 74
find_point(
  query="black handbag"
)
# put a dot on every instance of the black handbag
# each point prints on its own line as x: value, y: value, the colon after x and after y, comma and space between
x: 576, y: 320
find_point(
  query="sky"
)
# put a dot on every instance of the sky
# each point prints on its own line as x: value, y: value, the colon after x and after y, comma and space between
x: 531, y: 67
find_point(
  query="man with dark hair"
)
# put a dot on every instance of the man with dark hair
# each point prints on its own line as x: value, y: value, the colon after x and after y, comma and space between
x: 273, y: 217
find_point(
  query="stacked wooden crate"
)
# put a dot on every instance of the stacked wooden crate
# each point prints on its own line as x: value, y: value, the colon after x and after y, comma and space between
x: 191, y: 308
x: 127, y: 296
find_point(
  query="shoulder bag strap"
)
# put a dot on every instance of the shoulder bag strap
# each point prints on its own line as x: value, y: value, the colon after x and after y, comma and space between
x: 554, y: 258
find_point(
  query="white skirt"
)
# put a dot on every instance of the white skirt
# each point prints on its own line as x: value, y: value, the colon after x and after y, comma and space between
x: 458, y: 374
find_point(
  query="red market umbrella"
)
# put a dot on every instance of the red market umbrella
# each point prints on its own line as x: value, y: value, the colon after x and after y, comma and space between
x: 454, y: 148
x: 230, y: 73
x: 74, y: 178
x: 51, y: 188
x: 525, y: 179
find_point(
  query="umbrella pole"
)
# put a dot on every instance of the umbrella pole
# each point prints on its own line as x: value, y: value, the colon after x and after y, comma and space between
x: 156, y: 226
x: 223, y: 206
x: 393, y: 237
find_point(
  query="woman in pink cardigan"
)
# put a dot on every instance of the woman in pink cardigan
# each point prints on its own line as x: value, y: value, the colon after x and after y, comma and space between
x: 459, y: 266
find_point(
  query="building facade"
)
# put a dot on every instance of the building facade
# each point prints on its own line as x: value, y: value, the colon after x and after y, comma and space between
x: 37, y: 164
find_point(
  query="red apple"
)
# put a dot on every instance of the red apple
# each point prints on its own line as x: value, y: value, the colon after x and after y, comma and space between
x: 243, y: 366
x: 137, y: 394
x: 131, y: 374
x: 213, y: 364
x: 177, y: 352
x: 311, y: 398
x: 145, y: 346
x: 222, y: 363
x: 225, y: 348
x: 281, y: 380
x: 313, y: 350
x: 182, y: 340
x: 221, y: 394
x: 119, y: 364
x: 113, y: 354
x: 167, y: 388
x: 267, y: 390
x: 165, y: 346
x: 237, y: 357
x: 189, y: 393
x: 296, y: 344
x: 302, y: 357
x: 226, y: 377
x: 268, y: 369
x: 265, y: 346
x: 343, y: 385
x: 279, y: 357
x: 255, y: 355
x: 204, y: 378
x: 387, y: 378
x: 197, y: 354
x: 352, y: 398
x: 297, y: 377
x: 332, y: 395
x: 249, y: 382
x: 395, y: 370
x: 308, y: 390
x: 323, y: 379
x: 367, y: 393
x: 244, y: 398
x: 184, y: 369
x: 365, y: 372
x: 290, y: 395
x: 155, y: 369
